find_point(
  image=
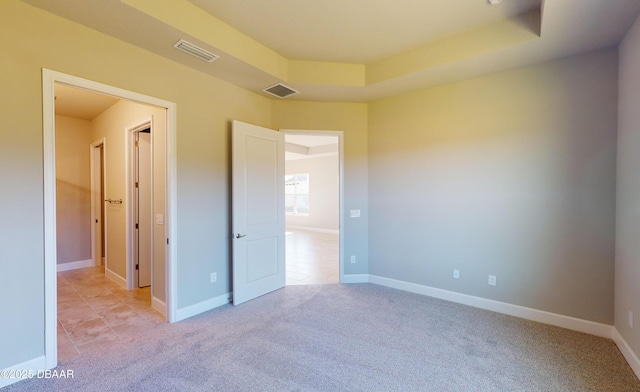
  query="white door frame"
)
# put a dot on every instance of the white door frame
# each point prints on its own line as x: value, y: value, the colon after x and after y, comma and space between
x: 96, y: 187
x: 49, y: 78
x: 340, y: 135
x: 130, y: 137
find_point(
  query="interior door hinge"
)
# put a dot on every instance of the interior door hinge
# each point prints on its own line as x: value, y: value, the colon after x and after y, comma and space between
x: 137, y: 266
x: 136, y: 184
x: 136, y: 143
x: 136, y: 225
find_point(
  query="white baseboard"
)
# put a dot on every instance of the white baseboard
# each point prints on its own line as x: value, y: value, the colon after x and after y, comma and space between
x: 202, y: 307
x: 159, y: 305
x: 540, y: 316
x: 119, y: 280
x: 627, y: 352
x: 355, y: 278
x: 74, y: 265
x: 316, y: 229
x: 33, y: 365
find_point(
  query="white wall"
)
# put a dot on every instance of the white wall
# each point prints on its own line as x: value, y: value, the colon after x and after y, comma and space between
x: 73, y: 189
x: 323, y: 192
x: 511, y: 174
x: 627, y: 278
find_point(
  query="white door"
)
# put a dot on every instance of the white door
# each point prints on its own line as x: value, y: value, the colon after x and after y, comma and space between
x: 258, y: 211
x: 144, y: 208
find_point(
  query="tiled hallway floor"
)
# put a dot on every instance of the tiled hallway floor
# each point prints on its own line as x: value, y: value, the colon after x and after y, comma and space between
x: 312, y: 257
x: 93, y: 310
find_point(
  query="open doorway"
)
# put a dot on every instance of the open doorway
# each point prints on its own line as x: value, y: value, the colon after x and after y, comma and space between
x: 312, y: 207
x: 98, y: 176
x: 94, y: 305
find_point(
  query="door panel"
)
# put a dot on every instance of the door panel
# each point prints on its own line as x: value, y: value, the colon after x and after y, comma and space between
x: 144, y: 209
x: 257, y: 252
x: 258, y: 211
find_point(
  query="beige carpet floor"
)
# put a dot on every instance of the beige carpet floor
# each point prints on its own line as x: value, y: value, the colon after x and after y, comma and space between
x: 358, y: 337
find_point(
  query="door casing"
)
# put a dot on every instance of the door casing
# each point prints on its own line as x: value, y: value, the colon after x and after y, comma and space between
x: 49, y: 78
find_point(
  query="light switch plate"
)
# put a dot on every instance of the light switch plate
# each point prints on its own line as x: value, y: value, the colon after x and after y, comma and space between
x: 354, y: 213
x: 159, y: 219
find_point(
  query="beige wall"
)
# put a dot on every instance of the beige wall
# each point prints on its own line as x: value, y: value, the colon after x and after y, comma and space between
x: 36, y: 39
x: 112, y: 125
x: 512, y: 175
x: 351, y: 118
x: 627, y: 283
x: 73, y: 189
x: 323, y: 192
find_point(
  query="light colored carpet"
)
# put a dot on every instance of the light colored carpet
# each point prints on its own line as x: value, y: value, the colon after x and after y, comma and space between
x: 350, y: 338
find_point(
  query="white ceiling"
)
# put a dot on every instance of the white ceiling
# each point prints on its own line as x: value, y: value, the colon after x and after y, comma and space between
x: 406, y: 33
x: 78, y: 103
x: 298, y: 146
x: 310, y: 140
x: 356, y: 31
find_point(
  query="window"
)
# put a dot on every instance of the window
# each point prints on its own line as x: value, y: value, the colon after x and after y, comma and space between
x: 296, y: 194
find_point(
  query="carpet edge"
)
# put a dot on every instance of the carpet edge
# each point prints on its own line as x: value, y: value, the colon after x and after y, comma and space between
x: 558, y: 320
x: 626, y: 351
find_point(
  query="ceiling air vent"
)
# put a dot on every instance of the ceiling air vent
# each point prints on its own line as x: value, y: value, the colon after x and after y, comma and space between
x: 280, y: 90
x: 196, y: 51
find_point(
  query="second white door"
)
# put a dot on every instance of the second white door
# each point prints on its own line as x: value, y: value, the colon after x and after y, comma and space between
x: 143, y: 210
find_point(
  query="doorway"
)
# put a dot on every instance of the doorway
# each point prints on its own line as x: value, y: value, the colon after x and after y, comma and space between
x: 258, y: 209
x: 312, y: 207
x: 50, y: 79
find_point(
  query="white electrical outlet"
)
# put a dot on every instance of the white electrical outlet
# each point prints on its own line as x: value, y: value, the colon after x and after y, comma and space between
x: 456, y: 274
x: 492, y: 280
x: 214, y: 277
x: 353, y: 259
x: 630, y: 319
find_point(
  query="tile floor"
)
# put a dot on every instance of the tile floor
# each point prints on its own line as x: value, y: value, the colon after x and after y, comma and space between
x: 312, y: 257
x: 93, y: 311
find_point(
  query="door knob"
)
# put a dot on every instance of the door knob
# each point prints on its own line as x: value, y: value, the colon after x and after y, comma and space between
x: 240, y: 235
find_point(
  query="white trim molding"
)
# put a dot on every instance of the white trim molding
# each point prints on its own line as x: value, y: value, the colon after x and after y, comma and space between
x: 117, y: 279
x: 33, y: 365
x: 201, y: 307
x: 541, y: 316
x: 159, y: 305
x: 627, y: 352
x: 314, y: 229
x: 355, y: 278
x: 72, y: 265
